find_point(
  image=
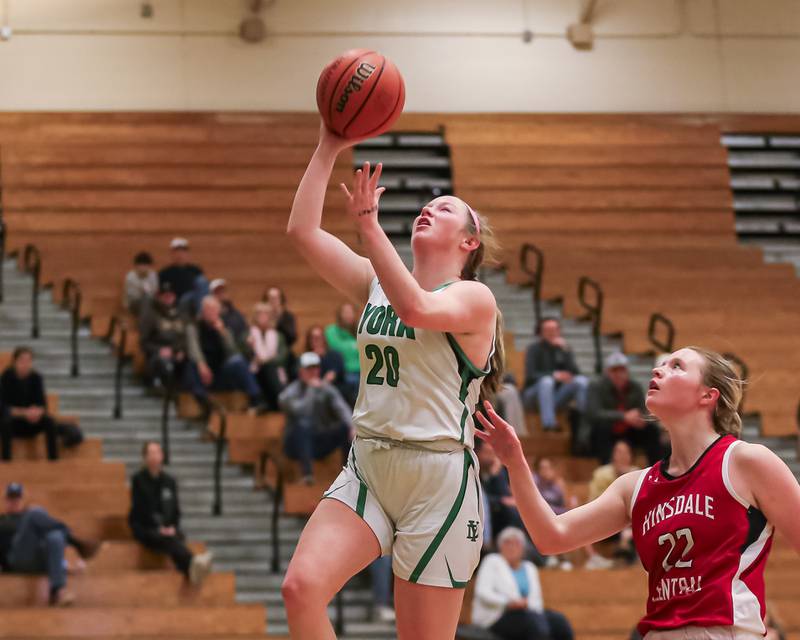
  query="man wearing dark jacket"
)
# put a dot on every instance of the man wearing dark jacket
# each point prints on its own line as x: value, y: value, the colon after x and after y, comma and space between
x: 155, y: 515
x: 552, y: 377
x: 31, y: 541
x: 162, y: 335
x: 24, y: 406
x: 615, y: 410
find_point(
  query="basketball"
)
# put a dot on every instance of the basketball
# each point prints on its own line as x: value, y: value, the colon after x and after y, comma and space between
x: 360, y: 94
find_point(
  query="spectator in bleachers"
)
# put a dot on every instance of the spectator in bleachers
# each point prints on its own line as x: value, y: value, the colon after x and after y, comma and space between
x: 615, y: 411
x: 231, y: 316
x: 215, y: 362
x: 155, y: 516
x: 287, y: 326
x: 270, y: 353
x: 341, y: 337
x: 508, y: 595
x: 318, y: 420
x: 331, y: 362
x: 162, y: 337
x: 554, y: 491
x: 186, y: 279
x: 621, y: 463
x: 24, y: 405
x: 141, y: 283
x: 33, y: 542
x: 552, y: 377
x: 508, y: 405
x: 502, y: 510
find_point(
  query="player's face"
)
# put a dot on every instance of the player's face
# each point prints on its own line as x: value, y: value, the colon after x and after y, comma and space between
x: 676, y: 387
x: 441, y: 222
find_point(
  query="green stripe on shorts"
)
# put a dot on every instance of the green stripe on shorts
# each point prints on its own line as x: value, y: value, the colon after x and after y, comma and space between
x: 362, y: 499
x: 448, y: 522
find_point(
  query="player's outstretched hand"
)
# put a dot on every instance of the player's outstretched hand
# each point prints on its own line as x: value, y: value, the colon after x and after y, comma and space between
x: 498, y: 433
x: 364, y: 195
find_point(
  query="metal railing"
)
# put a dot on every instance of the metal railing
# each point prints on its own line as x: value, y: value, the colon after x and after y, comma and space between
x: 594, y: 313
x: 32, y: 263
x: 115, y: 323
x: 71, y: 300
x: 169, y: 395
x: 221, y: 441
x: 535, y: 272
x: 744, y: 374
x: 2, y: 249
x: 657, y: 320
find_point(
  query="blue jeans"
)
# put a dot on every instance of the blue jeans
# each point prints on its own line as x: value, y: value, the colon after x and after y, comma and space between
x: 38, y: 547
x: 235, y: 375
x: 381, y: 572
x: 549, y: 396
x: 304, y: 443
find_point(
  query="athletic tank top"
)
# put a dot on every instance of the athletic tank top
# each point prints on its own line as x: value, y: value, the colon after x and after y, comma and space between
x: 416, y: 385
x: 703, y: 546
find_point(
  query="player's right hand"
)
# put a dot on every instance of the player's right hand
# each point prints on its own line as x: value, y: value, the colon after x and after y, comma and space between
x: 499, y: 434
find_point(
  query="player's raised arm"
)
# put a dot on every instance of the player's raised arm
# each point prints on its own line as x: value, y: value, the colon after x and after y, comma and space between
x: 554, y: 534
x: 339, y: 265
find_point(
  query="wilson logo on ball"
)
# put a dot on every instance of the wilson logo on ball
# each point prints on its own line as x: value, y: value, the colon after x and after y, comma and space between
x: 362, y: 74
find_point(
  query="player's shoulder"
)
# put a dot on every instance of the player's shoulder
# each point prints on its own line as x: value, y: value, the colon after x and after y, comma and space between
x: 471, y: 289
x: 751, y: 456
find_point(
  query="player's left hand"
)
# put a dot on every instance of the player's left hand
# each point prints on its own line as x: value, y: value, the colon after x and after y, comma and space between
x: 362, y: 201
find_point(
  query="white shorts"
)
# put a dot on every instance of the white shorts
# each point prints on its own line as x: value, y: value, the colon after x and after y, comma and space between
x: 703, y: 633
x: 423, y: 505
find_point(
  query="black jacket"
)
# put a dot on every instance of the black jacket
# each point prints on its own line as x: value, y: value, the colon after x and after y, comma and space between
x: 181, y: 278
x: 154, y: 503
x: 22, y: 392
x: 602, y: 404
x: 543, y: 358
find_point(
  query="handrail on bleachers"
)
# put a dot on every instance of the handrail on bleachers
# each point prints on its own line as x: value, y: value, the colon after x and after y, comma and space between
x: 652, y: 331
x: 32, y: 262
x: 594, y: 311
x: 71, y: 300
x: 221, y: 440
x: 121, y: 357
x: 2, y: 248
x: 536, y: 272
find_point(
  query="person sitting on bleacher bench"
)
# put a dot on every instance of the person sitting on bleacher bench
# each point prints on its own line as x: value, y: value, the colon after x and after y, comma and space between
x: 186, y: 279
x: 615, y: 411
x: 552, y: 377
x: 215, y: 362
x: 141, y: 283
x: 508, y: 595
x: 24, y: 405
x: 155, y: 516
x: 318, y: 420
x: 33, y: 542
x: 162, y: 337
x: 232, y: 318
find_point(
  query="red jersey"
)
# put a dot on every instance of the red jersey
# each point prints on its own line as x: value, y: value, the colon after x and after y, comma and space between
x: 704, y: 548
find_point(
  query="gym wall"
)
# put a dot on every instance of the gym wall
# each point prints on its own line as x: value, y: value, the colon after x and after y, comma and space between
x: 457, y: 55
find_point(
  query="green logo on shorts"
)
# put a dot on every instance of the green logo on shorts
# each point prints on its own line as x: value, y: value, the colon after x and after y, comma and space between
x: 472, y: 530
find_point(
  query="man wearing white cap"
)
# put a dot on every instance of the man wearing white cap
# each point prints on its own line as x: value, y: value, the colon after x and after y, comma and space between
x: 615, y: 410
x: 182, y: 275
x: 317, y: 417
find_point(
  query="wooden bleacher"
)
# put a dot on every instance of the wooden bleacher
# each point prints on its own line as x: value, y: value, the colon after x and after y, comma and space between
x: 643, y: 196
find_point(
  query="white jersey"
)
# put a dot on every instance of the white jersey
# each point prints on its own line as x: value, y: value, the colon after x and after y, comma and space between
x: 416, y: 385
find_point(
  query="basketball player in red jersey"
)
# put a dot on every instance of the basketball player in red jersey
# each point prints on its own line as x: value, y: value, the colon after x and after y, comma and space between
x: 702, y: 519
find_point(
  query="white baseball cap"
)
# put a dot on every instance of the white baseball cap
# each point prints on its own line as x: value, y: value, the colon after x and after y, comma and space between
x: 309, y: 359
x: 179, y: 243
x: 217, y: 283
x: 616, y: 359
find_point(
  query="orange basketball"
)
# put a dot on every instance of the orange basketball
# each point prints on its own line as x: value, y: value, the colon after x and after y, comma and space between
x: 360, y: 94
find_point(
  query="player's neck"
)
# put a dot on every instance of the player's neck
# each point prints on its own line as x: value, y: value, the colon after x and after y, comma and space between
x: 431, y: 272
x: 689, y: 438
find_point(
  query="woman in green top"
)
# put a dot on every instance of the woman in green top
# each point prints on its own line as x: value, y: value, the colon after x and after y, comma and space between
x: 341, y: 337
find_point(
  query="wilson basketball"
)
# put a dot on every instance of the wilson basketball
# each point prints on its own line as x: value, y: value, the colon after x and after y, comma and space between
x: 360, y: 94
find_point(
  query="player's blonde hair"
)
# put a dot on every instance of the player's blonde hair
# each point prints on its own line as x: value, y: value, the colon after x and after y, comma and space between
x: 720, y: 374
x: 486, y: 252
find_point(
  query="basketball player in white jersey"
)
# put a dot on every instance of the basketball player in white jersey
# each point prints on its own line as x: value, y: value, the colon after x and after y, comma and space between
x: 428, y: 339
